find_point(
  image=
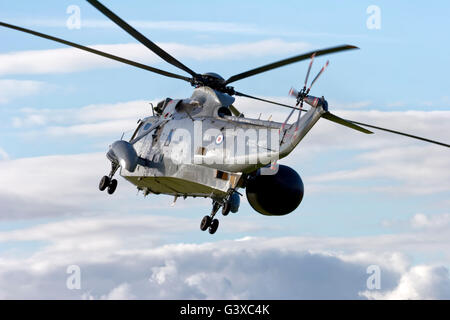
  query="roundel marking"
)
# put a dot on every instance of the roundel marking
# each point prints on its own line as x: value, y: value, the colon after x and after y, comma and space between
x: 219, y: 139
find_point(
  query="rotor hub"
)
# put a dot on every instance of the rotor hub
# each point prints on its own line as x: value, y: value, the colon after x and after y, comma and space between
x: 214, y: 81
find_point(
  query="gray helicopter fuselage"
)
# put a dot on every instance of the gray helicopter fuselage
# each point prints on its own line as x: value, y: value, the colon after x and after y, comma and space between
x: 192, y: 147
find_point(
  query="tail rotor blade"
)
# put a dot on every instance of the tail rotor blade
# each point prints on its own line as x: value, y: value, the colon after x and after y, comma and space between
x: 293, y: 92
x: 309, y: 70
x: 318, y: 75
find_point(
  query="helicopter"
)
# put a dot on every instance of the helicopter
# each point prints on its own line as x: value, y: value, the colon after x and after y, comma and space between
x: 203, y: 146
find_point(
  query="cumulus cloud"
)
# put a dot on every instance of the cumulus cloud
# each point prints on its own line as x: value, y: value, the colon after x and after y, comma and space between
x: 419, y: 282
x: 124, y: 256
x: 202, y: 27
x: 91, y: 120
x: 244, y: 269
x: 74, y: 60
x: 12, y: 89
x: 52, y: 178
x: 3, y: 154
x: 422, y: 221
x: 67, y: 185
x: 122, y: 292
x: 415, y: 170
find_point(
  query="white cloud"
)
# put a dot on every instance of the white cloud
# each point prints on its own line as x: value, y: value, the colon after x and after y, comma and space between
x: 348, y: 105
x: 420, y: 282
x: 172, y: 25
x: 201, y: 27
x: 13, y: 89
x: 426, y: 164
x: 91, y: 120
x: 67, y: 185
x: 3, y: 154
x: 53, y: 179
x: 122, y: 292
x: 255, y: 268
x: 421, y: 221
x: 123, y: 256
x: 74, y: 60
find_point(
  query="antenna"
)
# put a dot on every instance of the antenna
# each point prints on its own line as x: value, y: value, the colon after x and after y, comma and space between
x: 153, y: 111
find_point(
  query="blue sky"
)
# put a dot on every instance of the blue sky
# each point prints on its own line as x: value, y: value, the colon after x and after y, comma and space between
x: 366, y: 196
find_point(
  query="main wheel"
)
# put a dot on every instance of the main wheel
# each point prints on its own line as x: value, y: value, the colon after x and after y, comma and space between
x: 112, y: 186
x: 206, y: 222
x: 213, y: 227
x: 226, y: 208
x: 104, y: 183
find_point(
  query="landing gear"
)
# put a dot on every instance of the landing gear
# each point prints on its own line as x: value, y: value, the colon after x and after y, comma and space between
x: 112, y: 186
x: 104, y: 183
x: 208, y: 222
x: 107, y: 182
x: 226, y: 208
x: 213, y: 227
x: 229, y: 203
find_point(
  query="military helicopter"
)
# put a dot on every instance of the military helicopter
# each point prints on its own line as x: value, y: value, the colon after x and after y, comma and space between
x: 162, y: 158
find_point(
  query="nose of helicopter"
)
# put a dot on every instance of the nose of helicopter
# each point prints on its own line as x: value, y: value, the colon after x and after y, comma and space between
x: 123, y: 153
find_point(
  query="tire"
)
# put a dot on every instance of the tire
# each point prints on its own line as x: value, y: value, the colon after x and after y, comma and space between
x: 206, y: 222
x: 112, y: 186
x: 213, y: 227
x: 226, y: 208
x: 104, y: 183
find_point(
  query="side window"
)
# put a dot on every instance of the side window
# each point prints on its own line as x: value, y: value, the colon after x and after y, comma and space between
x: 169, y: 138
x: 147, y: 126
x: 157, y: 157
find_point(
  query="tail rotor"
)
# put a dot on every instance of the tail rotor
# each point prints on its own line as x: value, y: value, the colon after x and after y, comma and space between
x: 303, y: 93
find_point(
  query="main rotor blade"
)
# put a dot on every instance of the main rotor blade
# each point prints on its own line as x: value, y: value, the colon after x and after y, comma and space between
x: 100, y: 53
x: 401, y: 133
x: 268, y: 101
x: 140, y: 37
x: 234, y: 111
x: 347, y: 123
x: 287, y: 61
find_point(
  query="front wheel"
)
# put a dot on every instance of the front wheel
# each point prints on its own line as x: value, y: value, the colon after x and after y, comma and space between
x: 213, y: 227
x: 104, y: 183
x: 226, y: 208
x: 206, y: 222
x: 112, y: 186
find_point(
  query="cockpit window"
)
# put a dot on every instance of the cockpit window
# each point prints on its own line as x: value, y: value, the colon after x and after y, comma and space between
x: 147, y: 126
x: 161, y: 105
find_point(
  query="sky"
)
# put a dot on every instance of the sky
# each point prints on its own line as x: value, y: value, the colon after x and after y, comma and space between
x: 378, y: 202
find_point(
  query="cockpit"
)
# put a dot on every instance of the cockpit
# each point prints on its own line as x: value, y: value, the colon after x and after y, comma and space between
x: 159, y: 109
